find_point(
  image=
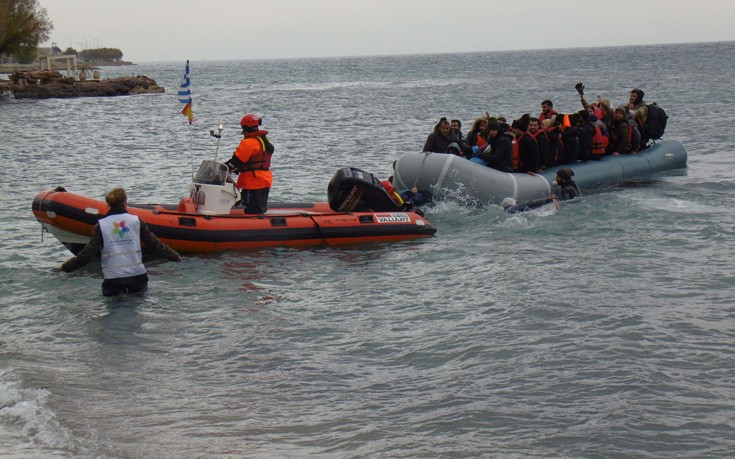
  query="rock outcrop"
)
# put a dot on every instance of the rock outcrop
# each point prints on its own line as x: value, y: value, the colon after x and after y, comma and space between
x: 51, y: 84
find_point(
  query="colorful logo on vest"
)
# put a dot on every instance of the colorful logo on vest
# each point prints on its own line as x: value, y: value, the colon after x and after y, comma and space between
x: 119, y: 229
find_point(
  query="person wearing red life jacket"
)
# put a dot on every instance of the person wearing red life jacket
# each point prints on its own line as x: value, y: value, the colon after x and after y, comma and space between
x: 542, y: 139
x: 547, y: 110
x: 252, y: 160
x: 527, y: 147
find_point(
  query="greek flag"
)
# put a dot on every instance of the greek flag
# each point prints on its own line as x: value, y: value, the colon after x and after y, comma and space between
x: 185, y: 95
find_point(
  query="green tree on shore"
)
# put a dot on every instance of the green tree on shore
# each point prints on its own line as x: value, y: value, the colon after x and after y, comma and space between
x: 23, y: 25
x: 101, y: 54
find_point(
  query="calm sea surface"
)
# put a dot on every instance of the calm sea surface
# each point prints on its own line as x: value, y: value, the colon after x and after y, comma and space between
x: 606, y: 329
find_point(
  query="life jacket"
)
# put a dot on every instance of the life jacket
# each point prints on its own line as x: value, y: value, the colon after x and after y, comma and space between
x: 599, y: 143
x: 260, y: 161
x: 517, y: 163
x: 566, y: 122
x: 481, y: 141
x: 544, y: 116
x: 538, y: 133
x: 392, y: 192
x: 121, y: 252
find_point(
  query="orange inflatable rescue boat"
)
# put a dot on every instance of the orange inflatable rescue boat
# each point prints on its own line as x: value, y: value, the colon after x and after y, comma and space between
x: 211, y: 220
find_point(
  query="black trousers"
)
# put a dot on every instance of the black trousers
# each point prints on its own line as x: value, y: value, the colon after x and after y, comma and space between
x: 133, y: 284
x: 255, y: 201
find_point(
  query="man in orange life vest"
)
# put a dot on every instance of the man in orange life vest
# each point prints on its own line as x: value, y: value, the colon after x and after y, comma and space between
x: 252, y: 160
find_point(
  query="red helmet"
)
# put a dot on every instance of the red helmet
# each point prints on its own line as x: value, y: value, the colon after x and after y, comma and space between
x: 251, y: 121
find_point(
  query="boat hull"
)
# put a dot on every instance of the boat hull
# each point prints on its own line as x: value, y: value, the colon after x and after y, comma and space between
x: 441, y: 173
x: 71, y: 218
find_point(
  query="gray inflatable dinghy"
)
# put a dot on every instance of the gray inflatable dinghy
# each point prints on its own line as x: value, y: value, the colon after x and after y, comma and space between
x: 439, y: 173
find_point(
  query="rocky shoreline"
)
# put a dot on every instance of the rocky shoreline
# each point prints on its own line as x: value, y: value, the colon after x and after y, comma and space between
x: 49, y: 85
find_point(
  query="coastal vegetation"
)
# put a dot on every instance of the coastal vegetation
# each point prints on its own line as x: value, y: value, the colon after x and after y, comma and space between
x: 101, y: 55
x: 23, y: 25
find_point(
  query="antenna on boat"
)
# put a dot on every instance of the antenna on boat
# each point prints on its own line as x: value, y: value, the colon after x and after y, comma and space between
x: 220, y: 128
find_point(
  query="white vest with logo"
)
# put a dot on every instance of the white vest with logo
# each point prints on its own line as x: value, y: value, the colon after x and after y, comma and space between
x: 121, y: 252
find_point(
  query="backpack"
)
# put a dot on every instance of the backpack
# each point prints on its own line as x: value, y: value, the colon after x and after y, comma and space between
x: 656, y: 122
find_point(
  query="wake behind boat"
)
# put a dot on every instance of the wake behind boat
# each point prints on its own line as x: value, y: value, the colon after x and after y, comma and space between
x: 438, y: 172
x: 210, y: 220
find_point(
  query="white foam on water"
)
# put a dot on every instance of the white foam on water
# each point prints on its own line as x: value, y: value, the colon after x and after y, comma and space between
x: 28, y: 425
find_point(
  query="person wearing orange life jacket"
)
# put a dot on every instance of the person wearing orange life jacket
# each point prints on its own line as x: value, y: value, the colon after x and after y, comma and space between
x: 599, y: 140
x: 252, y: 160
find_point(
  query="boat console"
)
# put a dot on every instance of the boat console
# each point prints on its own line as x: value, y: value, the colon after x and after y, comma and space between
x: 212, y: 190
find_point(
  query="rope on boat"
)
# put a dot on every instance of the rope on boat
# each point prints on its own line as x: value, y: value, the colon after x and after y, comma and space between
x: 317, y: 227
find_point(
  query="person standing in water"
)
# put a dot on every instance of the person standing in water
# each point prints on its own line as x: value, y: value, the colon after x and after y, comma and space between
x: 117, y: 239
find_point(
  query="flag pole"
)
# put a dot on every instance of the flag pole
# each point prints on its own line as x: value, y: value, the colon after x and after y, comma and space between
x: 184, y: 96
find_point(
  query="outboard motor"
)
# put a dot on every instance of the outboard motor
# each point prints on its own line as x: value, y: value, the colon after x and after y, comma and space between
x: 354, y: 190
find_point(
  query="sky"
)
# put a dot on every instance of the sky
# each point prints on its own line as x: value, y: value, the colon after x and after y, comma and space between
x: 175, y: 30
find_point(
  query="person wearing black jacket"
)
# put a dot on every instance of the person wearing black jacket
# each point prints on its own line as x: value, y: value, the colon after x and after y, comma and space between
x: 439, y: 140
x: 569, y: 188
x: 569, y: 151
x: 499, y: 153
x: 620, y: 133
x: 455, y: 132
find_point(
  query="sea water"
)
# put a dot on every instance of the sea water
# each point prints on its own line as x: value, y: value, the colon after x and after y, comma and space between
x: 605, y: 329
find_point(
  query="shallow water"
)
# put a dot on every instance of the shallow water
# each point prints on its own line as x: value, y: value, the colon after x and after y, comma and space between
x: 603, y: 330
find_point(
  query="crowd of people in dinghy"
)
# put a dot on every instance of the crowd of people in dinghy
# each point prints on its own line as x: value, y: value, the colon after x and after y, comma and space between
x: 532, y: 144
